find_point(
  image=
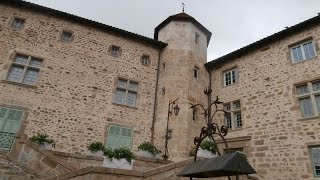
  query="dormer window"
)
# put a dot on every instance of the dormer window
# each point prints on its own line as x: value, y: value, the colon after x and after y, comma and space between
x: 66, y: 36
x: 17, y: 23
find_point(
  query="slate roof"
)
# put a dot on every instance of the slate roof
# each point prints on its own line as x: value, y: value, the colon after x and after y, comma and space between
x: 263, y: 42
x: 83, y: 21
x: 182, y: 17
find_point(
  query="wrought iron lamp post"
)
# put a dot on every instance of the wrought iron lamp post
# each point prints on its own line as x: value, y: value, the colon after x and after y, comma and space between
x: 175, y: 110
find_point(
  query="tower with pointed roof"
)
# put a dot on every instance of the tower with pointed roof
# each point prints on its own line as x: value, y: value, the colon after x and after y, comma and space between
x: 181, y: 75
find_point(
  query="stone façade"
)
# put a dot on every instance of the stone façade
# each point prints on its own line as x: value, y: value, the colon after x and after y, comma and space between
x: 73, y: 98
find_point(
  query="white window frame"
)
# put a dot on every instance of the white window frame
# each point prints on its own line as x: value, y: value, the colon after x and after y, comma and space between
x: 303, y: 52
x: 127, y: 91
x: 232, y: 72
x: 312, y: 94
x: 233, y: 111
x: 25, y: 68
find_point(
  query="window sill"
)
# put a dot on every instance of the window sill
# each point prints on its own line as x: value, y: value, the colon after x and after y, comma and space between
x: 122, y: 105
x: 294, y: 63
x: 224, y: 86
x: 236, y: 129
x: 19, y: 84
x: 309, y: 118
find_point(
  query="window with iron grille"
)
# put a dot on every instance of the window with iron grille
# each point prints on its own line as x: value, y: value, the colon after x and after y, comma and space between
x: 24, y: 69
x: 230, y: 77
x: 233, y: 118
x: 303, y: 51
x: 315, y: 159
x: 309, y: 98
x: 114, y: 51
x: 126, y: 93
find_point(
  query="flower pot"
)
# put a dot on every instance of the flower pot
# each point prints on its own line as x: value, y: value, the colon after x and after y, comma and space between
x: 96, y: 153
x: 205, y: 153
x: 147, y: 154
x: 46, y: 145
x: 117, y: 163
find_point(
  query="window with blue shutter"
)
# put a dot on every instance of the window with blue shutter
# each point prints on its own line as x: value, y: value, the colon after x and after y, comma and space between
x: 119, y: 136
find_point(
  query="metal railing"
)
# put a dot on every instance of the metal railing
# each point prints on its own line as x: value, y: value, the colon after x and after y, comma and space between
x: 6, y: 140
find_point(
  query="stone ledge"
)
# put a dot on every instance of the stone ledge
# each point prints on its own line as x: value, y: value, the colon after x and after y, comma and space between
x: 241, y: 138
x: 79, y: 156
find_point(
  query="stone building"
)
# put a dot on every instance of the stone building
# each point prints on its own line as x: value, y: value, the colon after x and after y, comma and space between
x: 81, y: 81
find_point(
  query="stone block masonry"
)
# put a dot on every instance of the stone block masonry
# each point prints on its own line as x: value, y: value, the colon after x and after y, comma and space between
x: 73, y: 98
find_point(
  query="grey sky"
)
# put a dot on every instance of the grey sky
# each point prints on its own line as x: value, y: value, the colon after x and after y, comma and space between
x: 234, y: 23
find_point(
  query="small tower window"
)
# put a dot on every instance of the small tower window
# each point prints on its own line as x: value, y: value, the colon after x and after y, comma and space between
x: 66, y: 36
x: 145, y: 60
x: 196, y: 38
x: 194, y: 114
x: 196, y: 72
x: 17, y: 23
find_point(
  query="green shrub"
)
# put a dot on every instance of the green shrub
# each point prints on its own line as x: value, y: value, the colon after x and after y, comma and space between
x: 208, y: 145
x: 41, y: 138
x: 147, y: 146
x: 96, y: 146
x: 119, y: 153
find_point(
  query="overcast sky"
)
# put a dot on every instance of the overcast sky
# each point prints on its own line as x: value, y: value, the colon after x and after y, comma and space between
x: 233, y: 23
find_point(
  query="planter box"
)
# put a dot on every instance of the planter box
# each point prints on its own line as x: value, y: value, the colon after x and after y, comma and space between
x: 46, y: 145
x: 205, y: 153
x: 117, y: 163
x: 96, y: 153
x: 147, y: 154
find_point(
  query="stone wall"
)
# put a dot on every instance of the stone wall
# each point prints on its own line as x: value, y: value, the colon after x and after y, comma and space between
x: 176, y: 80
x: 73, y: 99
x: 278, y: 148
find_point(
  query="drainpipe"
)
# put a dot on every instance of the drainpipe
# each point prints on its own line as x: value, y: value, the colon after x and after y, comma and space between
x: 155, y: 99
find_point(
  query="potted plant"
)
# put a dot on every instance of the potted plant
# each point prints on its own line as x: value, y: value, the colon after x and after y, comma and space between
x: 96, y: 148
x: 146, y: 149
x: 120, y: 157
x: 42, y: 140
x: 207, y: 149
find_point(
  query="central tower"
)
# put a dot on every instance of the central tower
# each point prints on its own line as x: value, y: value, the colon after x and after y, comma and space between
x: 181, y: 75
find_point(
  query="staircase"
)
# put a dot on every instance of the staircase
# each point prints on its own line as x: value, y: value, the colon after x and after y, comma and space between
x: 9, y: 171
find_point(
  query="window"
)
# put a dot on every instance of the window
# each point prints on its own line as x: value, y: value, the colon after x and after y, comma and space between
x: 230, y: 77
x: 24, y: 69
x: 196, y: 38
x: 145, y: 60
x: 233, y: 118
x: 119, y: 136
x: 126, y: 93
x: 114, y: 51
x: 17, y: 23
x: 309, y: 98
x: 194, y: 114
x: 196, y: 72
x: 66, y: 36
x: 9, y: 125
x: 303, y: 51
x: 315, y: 159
